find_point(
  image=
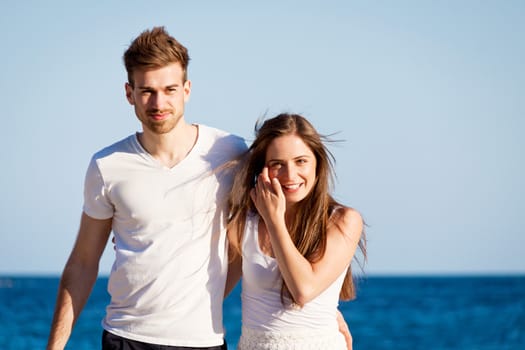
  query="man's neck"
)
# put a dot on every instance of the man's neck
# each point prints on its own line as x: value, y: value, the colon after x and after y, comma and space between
x: 172, y: 147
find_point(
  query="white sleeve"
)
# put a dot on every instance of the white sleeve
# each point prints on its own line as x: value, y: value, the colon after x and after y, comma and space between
x: 96, y: 201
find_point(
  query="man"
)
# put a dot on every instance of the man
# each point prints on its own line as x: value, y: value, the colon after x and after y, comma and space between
x: 158, y: 191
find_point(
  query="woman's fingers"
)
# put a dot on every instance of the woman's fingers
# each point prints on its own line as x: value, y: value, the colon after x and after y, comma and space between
x: 265, y: 175
x: 276, y: 185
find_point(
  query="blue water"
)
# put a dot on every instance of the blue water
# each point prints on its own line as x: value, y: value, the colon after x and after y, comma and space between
x: 389, y: 313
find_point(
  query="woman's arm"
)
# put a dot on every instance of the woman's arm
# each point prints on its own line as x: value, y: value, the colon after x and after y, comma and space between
x: 306, y: 280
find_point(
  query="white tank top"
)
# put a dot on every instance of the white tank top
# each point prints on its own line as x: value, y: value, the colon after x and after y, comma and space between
x: 262, y: 308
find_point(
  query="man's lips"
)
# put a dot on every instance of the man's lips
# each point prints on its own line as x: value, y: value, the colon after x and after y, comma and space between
x: 159, y: 115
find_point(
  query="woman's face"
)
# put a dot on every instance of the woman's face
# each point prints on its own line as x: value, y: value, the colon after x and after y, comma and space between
x: 293, y: 163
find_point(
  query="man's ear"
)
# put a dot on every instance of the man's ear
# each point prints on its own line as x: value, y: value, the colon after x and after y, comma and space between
x: 129, y: 93
x: 187, y: 90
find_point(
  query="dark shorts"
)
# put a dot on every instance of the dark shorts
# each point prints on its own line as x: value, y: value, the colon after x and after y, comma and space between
x: 114, y: 342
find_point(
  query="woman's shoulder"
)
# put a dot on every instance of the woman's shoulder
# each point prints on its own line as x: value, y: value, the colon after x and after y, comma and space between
x: 348, y: 220
x: 342, y: 212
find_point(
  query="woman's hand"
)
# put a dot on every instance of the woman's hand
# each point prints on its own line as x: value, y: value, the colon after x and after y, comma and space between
x: 268, y: 197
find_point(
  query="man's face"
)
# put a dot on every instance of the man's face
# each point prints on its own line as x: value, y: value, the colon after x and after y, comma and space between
x: 159, y: 96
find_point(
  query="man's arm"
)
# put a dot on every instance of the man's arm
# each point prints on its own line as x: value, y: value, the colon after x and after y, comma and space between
x: 78, y: 278
x: 343, y: 328
x: 234, y: 262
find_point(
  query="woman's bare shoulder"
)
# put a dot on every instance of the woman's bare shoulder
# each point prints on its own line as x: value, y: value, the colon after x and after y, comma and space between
x: 348, y: 221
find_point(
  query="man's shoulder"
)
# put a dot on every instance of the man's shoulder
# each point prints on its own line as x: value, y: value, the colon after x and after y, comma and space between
x: 218, y: 147
x: 211, y: 130
x: 127, y: 144
x: 216, y: 137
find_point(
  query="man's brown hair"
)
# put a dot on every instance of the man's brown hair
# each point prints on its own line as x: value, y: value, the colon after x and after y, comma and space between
x: 154, y: 49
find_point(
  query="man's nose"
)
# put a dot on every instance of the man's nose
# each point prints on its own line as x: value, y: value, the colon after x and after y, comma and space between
x: 158, y: 100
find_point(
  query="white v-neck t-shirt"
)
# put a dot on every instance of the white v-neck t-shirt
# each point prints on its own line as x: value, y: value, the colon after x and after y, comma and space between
x: 167, y: 280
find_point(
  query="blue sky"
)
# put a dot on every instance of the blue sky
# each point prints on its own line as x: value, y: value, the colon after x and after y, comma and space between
x: 429, y: 97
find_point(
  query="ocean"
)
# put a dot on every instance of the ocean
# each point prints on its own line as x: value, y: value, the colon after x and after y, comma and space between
x: 423, y: 312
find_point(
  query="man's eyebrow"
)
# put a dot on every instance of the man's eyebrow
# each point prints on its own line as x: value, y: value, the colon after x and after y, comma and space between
x: 146, y: 87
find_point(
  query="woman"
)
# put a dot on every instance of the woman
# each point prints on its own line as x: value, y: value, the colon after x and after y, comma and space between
x: 294, y: 241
